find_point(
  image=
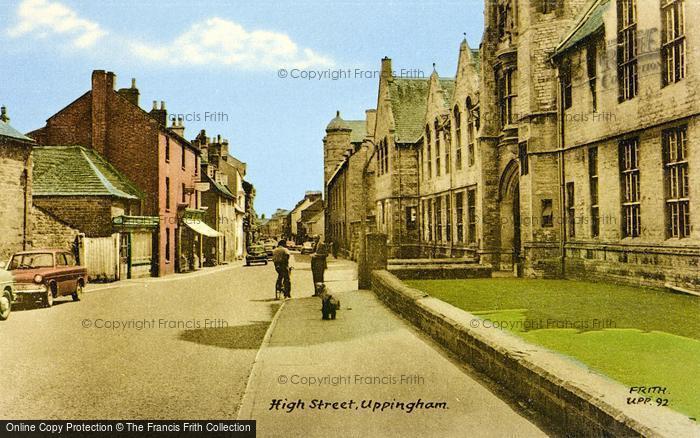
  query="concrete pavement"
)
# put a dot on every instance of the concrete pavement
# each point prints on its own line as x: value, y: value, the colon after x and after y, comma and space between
x: 367, y: 355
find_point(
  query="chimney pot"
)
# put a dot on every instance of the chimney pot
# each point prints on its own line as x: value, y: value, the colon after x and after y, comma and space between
x: 133, y: 82
x: 155, y: 104
x: 162, y: 105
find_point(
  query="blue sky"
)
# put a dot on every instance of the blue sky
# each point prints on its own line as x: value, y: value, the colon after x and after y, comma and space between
x: 224, y: 57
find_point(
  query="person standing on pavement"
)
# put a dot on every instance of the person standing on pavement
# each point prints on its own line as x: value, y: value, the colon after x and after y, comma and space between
x: 318, y: 264
x: 282, y: 259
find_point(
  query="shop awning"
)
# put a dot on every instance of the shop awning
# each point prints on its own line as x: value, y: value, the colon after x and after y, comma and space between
x: 200, y: 227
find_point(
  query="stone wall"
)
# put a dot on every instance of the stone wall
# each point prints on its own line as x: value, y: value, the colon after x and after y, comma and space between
x: 50, y: 232
x: 90, y: 215
x: 576, y: 401
x: 15, y: 196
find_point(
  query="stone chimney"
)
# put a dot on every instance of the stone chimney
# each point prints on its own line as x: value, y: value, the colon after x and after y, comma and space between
x: 386, y: 68
x: 102, y: 87
x: 224, y: 148
x: 178, y: 127
x: 131, y: 94
x: 3, y: 114
x: 161, y: 115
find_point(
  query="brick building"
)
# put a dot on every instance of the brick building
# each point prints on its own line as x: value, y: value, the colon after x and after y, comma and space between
x: 157, y: 158
x: 15, y: 188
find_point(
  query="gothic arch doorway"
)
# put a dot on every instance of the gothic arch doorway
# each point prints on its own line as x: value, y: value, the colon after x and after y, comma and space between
x: 509, y: 197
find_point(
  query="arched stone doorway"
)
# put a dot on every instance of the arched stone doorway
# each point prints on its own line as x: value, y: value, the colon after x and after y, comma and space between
x: 509, y: 200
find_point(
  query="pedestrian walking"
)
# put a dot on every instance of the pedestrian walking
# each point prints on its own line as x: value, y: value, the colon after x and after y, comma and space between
x: 318, y: 264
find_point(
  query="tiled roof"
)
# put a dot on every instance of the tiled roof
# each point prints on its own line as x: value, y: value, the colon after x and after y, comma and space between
x: 408, y: 103
x: 77, y: 171
x: 6, y: 130
x: 359, y: 130
x: 222, y: 189
x: 589, y: 23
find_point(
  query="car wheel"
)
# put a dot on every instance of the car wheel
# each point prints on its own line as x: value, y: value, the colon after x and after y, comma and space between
x: 78, y: 294
x: 5, y: 305
x: 247, y: 263
x: 48, y: 296
x: 265, y: 262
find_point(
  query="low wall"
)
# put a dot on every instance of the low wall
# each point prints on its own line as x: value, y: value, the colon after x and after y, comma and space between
x: 446, y: 272
x: 576, y: 400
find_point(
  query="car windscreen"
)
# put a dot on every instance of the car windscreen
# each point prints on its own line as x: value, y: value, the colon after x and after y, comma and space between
x: 31, y: 261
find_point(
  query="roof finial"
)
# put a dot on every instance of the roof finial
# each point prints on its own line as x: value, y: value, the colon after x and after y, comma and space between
x: 3, y: 114
x: 337, y: 113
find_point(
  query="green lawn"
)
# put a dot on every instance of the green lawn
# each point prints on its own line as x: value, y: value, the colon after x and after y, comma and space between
x: 637, y: 336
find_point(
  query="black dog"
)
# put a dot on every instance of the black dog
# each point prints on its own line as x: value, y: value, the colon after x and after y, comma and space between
x: 329, y: 304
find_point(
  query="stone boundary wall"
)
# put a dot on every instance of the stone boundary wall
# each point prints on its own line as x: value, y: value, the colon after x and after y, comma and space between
x: 576, y: 400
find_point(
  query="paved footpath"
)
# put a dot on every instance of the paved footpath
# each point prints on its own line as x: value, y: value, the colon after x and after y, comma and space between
x: 366, y: 342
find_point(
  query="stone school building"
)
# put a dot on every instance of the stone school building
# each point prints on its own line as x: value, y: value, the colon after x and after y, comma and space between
x: 563, y: 147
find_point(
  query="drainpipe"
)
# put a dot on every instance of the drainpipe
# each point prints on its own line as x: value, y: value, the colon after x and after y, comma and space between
x: 562, y: 174
x: 25, y: 212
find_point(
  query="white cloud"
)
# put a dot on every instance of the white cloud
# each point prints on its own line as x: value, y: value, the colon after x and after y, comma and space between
x: 217, y: 41
x: 43, y: 18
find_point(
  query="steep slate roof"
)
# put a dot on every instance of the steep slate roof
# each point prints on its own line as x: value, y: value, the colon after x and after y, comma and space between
x: 408, y: 103
x: 359, y: 130
x: 6, y: 130
x: 77, y: 171
x: 589, y: 23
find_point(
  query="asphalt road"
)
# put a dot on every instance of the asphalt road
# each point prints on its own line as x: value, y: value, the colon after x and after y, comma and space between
x: 173, y: 348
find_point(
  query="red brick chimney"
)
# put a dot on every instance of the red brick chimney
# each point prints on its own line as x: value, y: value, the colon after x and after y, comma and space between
x: 102, y: 85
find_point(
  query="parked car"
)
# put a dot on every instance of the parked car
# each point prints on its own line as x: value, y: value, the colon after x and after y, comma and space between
x: 7, y: 294
x: 256, y: 254
x: 43, y: 275
x: 307, y: 248
x: 269, y: 247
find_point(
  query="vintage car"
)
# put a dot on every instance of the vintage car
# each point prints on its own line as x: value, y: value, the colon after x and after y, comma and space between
x: 256, y: 254
x: 307, y: 248
x: 42, y: 275
x: 7, y: 294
